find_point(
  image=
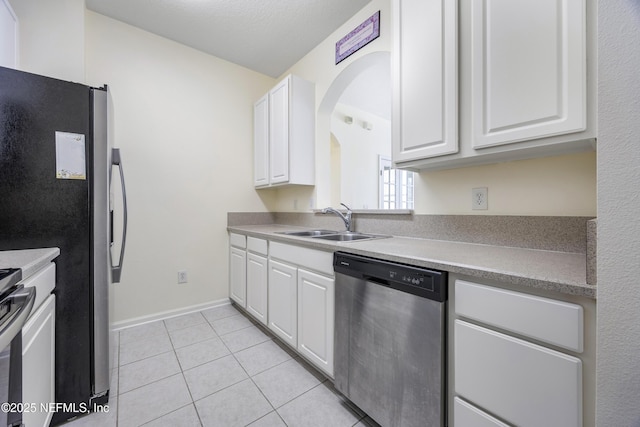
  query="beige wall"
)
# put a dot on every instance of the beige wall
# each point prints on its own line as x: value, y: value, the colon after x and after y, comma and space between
x: 183, y: 121
x: 564, y: 185
x: 51, y: 37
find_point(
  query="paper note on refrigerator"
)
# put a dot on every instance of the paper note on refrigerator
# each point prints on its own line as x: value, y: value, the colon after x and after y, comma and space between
x: 70, y: 156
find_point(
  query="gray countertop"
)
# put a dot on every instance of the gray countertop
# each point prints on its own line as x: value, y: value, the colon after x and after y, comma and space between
x: 29, y: 260
x: 562, y: 272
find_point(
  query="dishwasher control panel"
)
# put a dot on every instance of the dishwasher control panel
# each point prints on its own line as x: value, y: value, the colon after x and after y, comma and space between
x: 406, y: 278
x: 416, y: 279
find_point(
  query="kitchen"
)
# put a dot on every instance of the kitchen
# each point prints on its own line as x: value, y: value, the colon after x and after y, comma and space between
x: 180, y: 223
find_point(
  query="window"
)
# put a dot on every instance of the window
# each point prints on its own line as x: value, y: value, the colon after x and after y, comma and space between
x: 396, y: 186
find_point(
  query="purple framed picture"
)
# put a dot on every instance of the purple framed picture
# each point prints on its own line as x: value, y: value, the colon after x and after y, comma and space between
x: 362, y: 35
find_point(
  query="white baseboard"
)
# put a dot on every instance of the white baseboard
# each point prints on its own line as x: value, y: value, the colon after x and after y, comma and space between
x: 137, y: 321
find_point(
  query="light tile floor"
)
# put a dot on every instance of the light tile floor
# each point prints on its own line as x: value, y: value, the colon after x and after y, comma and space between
x: 216, y: 368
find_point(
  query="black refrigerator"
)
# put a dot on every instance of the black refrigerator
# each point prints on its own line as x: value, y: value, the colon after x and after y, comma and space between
x: 55, y: 174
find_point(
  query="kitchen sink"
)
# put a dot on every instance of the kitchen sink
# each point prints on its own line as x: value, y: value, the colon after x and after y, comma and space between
x: 336, y: 236
x: 309, y: 233
x: 348, y: 236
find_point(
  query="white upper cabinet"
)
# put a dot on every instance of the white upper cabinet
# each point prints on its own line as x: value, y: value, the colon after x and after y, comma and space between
x: 261, y: 142
x: 528, y: 69
x: 284, y: 134
x: 279, y: 132
x: 425, y: 67
x: 515, y: 79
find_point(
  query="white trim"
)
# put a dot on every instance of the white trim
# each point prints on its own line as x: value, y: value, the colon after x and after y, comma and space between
x: 382, y: 162
x: 16, y: 33
x: 137, y: 321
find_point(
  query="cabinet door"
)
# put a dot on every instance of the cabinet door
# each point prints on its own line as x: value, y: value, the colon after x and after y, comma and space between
x: 528, y: 69
x: 238, y: 276
x: 257, y: 286
x: 279, y: 132
x: 316, y: 319
x: 261, y: 142
x: 523, y: 383
x: 38, y: 362
x: 283, y: 313
x: 425, y: 99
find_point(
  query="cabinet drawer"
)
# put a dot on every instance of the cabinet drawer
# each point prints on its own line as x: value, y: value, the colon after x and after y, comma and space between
x: 238, y: 240
x: 554, y: 322
x: 523, y: 383
x: 258, y: 246
x: 311, y: 259
x: 467, y: 415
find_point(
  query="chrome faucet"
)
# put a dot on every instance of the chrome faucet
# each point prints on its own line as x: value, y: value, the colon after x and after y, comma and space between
x: 348, y: 223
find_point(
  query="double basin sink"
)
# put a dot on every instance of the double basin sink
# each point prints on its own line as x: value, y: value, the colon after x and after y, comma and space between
x: 336, y: 236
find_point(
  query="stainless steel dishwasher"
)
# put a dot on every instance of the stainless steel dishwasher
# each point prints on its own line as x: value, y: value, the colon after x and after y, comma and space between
x: 390, y: 340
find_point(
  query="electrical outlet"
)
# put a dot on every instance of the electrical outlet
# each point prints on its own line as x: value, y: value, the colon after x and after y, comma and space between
x: 479, y: 199
x: 182, y: 276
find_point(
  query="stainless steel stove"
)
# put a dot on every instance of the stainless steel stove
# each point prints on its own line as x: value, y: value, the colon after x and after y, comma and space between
x: 9, y: 277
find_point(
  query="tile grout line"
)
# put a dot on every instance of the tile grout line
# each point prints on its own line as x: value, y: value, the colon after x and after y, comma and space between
x: 193, y: 403
x: 246, y: 373
x: 298, y: 359
x: 174, y: 350
x: 152, y: 382
x: 169, y: 413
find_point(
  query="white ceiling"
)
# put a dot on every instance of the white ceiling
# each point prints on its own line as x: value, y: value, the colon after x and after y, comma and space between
x: 267, y: 36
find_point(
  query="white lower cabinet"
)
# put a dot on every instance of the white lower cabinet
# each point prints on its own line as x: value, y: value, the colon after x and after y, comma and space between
x: 238, y: 276
x: 524, y: 383
x: 288, y: 288
x: 305, y: 290
x: 519, y: 359
x: 257, y: 286
x: 38, y: 358
x: 316, y: 318
x: 283, y: 312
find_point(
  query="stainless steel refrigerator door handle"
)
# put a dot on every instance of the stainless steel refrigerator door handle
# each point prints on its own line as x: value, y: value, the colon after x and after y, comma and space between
x: 116, y: 270
x: 24, y: 298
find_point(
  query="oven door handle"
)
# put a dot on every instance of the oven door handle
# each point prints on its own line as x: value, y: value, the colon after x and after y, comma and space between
x: 23, y: 298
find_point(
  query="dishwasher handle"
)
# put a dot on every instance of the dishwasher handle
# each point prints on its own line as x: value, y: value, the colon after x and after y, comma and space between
x: 378, y: 281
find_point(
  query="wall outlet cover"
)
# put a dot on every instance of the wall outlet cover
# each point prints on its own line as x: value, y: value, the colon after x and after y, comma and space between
x: 182, y: 276
x: 479, y: 198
